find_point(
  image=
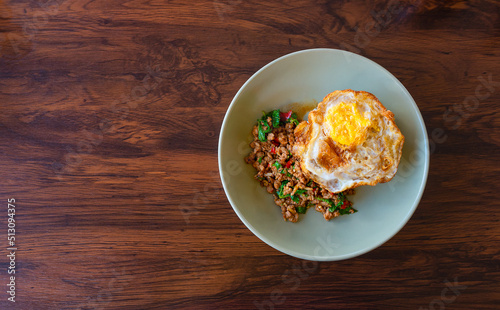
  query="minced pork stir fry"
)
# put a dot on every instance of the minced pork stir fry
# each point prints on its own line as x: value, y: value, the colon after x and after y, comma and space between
x: 280, y: 173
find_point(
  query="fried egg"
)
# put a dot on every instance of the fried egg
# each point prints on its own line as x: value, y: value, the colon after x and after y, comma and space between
x: 349, y: 140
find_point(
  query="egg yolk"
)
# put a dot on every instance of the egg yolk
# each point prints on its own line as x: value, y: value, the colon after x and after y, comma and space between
x: 348, y: 126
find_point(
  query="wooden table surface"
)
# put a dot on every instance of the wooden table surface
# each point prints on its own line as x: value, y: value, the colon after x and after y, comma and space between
x: 109, y: 124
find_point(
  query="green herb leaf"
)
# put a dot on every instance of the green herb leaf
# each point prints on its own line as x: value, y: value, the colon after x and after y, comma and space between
x: 325, y: 200
x: 293, y: 119
x: 301, y: 210
x: 262, y: 134
x: 295, y: 198
x: 265, y: 124
x: 300, y: 191
x: 277, y: 165
x: 260, y: 159
x: 344, y: 211
x: 280, y: 190
x: 333, y: 207
x: 275, y: 115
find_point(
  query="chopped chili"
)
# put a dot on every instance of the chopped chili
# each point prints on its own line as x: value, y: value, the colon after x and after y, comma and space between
x: 284, y: 116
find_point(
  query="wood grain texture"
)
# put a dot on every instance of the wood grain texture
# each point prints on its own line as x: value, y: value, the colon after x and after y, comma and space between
x: 109, y: 123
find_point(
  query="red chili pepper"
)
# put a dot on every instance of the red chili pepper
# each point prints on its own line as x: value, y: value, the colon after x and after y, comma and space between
x: 285, y: 115
x: 273, y: 150
x: 288, y: 164
x: 344, y: 205
x: 276, y: 142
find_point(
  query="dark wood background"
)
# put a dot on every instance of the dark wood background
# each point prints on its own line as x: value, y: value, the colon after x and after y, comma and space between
x: 110, y: 113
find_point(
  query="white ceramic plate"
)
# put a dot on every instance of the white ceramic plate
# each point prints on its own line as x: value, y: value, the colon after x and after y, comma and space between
x: 383, y: 210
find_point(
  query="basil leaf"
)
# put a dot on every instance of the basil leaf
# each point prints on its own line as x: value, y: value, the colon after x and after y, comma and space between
x: 325, y: 200
x: 280, y: 190
x: 293, y: 119
x: 267, y: 126
x: 260, y: 159
x: 333, y: 207
x: 275, y: 115
x: 344, y: 211
x: 301, y: 210
x: 277, y: 165
x: 300, y: 192
x: 262, y: 134
x: 295, y: 198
